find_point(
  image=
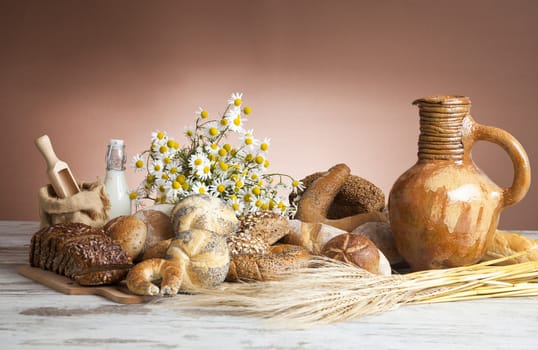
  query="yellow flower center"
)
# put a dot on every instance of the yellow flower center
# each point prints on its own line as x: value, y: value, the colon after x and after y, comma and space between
x: 206, y: 169
x: 204, y: 114
x: 139, y: 163
x: 173, y: 170
x: 197, y: 162
x: 249, y: 157
x: 176, y: 185
x: 237, y: 120
x: 237, y: 102
x: 256, y: 190
x: 167, y: 160
x: 201, y: 190
x: 160, y: 135
x: 164, y: 176
x: 222, y: 152
x: 223, y: 166
x: 181, y: 178
x: 247, y: 110
x: 239, y: 184
x: 259, y: 159
x: 247, y: 197
x: 264, y: 146
x: 258, y: 203
x: 157, y: 167
x: 295, y: 183
x: 235, y: 206
x: 248, y: 141
x: 227, y: 147
x: 133, y: 195
x: 213, y: 131
x: 266, y: 163
x: 221, y: 188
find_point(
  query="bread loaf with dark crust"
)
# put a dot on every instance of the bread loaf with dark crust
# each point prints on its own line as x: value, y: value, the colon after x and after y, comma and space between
x: 80, y: 252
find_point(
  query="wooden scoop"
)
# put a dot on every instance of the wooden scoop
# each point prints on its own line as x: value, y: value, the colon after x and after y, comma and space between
x: 59, y: 174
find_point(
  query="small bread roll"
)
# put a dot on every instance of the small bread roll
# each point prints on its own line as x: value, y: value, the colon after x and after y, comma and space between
x: 204, y: 212
x: 381, y: 234
x: 129, y: 232
x: 358, y: 250
x: 158, y: 223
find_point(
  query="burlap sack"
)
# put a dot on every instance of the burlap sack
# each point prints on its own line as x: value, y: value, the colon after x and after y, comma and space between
x: 90, y: 206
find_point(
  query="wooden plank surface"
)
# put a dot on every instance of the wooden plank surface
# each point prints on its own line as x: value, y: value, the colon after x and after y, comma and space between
x: 35, y: 316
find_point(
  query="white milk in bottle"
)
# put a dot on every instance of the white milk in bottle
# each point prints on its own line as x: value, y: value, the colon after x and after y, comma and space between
x: 115, y: 182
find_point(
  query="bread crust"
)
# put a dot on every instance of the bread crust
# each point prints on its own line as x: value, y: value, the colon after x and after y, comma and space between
x: 266, y: 267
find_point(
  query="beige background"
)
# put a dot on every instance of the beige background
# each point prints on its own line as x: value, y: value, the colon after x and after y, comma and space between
x: 329, y: 81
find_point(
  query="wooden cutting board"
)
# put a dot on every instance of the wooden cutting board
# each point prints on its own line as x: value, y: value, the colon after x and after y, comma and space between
x: 118, y: 294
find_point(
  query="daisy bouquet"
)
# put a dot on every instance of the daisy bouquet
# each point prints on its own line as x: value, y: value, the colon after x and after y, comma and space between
x: 212, y: 163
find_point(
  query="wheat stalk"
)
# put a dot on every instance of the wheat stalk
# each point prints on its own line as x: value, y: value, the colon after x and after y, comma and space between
x: 332, y: 291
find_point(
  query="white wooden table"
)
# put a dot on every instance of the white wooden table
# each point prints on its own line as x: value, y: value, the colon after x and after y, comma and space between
x: 34, y: 316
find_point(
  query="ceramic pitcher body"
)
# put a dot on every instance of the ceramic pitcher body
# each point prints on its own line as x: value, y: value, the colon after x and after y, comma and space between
x: 444, y: 210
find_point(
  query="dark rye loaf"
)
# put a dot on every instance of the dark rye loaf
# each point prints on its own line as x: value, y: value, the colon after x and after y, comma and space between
x: 80, y: 252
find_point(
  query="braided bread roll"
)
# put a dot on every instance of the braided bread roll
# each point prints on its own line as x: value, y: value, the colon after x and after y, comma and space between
x: 204, y: 212
x: 202, y: 257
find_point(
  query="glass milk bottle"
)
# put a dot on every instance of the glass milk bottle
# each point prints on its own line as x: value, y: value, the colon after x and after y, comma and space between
x: 115, y: 182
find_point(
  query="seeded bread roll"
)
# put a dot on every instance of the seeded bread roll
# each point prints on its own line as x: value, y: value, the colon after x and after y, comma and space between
x: 267, y: 225
x: 128, y: 231
x: 358, y: 250
x: 204, y: 212
x: 267, y: 267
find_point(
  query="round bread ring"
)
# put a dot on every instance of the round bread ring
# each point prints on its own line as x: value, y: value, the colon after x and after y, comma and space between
x: 356, y: 196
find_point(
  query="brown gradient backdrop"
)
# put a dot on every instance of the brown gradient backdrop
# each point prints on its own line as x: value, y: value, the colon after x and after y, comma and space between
x: 329, y: 81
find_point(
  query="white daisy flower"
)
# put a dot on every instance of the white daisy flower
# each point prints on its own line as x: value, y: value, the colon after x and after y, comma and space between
x: 175, y: 191
x: 159, y: 137
x: 237, y: 205
x: 235, y: 99
x: 297, y: 186
x: 202, y: 113
x: 156, y: 168
x: 212, y: 130
x: 189, y: 131
x: 264, y: 145
x: 173, y: 167
x: 235, y: 120
x: 198, y: 161
x: 138, y: 163
x: 247, y: 138
x: 203, y: 173
x: 199, y: 188
x: 219, y: 187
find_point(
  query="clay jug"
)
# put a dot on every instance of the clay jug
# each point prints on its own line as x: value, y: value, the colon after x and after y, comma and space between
x: 444, y: 210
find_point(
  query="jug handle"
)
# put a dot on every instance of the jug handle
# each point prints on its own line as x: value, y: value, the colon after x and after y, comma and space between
x: 520, y: 160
